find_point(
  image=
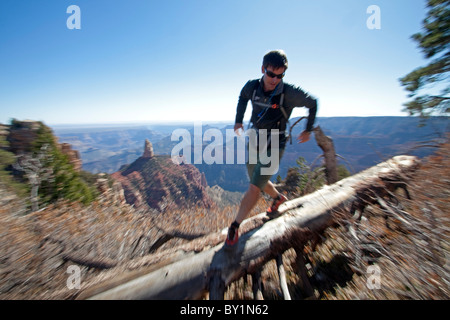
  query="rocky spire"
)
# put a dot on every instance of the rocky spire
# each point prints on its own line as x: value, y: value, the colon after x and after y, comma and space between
x: 148, y: 150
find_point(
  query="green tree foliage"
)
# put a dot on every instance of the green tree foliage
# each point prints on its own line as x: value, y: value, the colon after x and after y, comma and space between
x: 303, y: 178
x: 66, y: 183
x: 434, y: 41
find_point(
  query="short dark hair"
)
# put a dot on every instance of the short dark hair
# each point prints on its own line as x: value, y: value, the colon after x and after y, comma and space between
x: 275, y: 59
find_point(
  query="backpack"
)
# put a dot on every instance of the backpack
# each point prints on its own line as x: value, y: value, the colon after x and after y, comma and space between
x: 269, y: 116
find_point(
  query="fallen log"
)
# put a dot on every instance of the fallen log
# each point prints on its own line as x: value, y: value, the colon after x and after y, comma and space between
x: 214, y: 269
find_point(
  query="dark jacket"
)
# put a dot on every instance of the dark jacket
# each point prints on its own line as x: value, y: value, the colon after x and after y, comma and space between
x: 273, y: 117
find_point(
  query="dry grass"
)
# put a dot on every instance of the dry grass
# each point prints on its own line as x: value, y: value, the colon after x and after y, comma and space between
x: 407, y: 240
x: 400, y: 249
x: 37, y: 248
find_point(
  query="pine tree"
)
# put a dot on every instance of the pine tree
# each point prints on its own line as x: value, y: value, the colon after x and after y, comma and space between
x: 66, y: 183
x: 434, y: 41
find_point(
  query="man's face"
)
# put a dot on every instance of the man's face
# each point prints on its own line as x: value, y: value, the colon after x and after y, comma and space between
x: 270, y: 80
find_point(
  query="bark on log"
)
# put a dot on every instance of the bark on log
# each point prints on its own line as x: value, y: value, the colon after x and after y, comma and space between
x: 190, y: 278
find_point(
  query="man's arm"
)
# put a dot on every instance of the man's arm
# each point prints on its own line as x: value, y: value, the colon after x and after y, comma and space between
x: 241, y: 107
x: 244, y: 97
x: 305, y: 135
x: 238, y: 126
x: 311, y: 115
x: 298, y: 98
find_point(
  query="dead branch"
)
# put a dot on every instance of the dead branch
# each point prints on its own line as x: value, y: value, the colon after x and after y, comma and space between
x: 327, y: 146
x: 282, y: 277
x: 99, y: 263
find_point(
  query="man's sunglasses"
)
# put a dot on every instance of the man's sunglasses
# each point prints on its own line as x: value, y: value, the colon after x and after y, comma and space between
x: 273, y: 75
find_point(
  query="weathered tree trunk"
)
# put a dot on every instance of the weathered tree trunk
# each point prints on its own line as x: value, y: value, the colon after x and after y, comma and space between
x: 215, y: 269
x: 326, y: 144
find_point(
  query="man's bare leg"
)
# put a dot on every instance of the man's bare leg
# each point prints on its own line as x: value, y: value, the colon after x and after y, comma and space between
x: 270, y: 190
x: 249, y: 200
x: 251, y: 197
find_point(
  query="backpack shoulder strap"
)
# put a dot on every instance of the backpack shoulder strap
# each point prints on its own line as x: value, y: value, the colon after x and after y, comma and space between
x: 254, y: 90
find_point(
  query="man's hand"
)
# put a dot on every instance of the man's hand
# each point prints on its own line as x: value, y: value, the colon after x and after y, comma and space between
x: 238, y: 126
x: 304, y: 136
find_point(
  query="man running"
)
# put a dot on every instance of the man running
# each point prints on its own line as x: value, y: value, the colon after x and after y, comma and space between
x: 272, y: 102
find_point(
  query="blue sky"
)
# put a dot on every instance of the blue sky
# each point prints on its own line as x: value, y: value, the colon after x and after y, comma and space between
x: 187, y: 60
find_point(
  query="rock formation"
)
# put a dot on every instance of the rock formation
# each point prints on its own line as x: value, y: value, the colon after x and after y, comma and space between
x: 73, y: 155
x: 148, y: 150
x: 157, y: 182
